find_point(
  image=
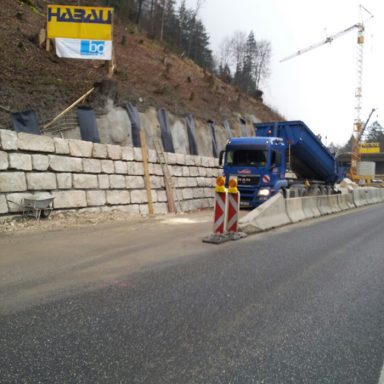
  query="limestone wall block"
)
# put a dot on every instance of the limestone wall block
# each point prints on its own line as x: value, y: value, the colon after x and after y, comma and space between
x: 127, y: 153
x: 136, y: 182
x: 176, y: 170
x: 152, y: 156
x: 201, y: 182
x: 113, y: 152
x: 209, y: 192
x: 202, y: 171
x: 61, y: 146
x: 83, y: 181
x: 92, y: 165
x: 15, y: 201
x: 69, y: 199
x: 192, y: 182
x: 103, y: 181
x: 198, y: 193
x: 157, y: 182
x: 40, y: 162
x: 3, y: 204
x: 144, y: 209
x: 20, y: 161
x: 80, y: 148
x: 155, y: 169
x: 118, y: 197
x: 38, y: 143
x: 205, y: 161
x: 117, y: 181
x: 171, y: 158
x: 137, y: 154
x: 161, y: 196
x: 12, y: 182
x: 139, y: 196
x: 107, y: 166
x: 95, y: 198
x: 37, y: 181
x: 190, y: 160
x: 136, y: 168
x: 3, y: 160
x: 187, y: 193
x: 212, y: 161
x: 194, y: 171
x: 99, y: 151
x: 121, y: 167
x: 64, y: 180
x: 186, y: 172
x: 180, y: 158
x: 8, y: 140
x: 198, y: 161
x: 65, y: 164
x: 187, y: 205
x: 160, y: 208
x: 213, y: 172
x: 181, y: 182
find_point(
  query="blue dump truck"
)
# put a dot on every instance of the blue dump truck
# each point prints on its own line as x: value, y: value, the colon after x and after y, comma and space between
x: 283, y: 157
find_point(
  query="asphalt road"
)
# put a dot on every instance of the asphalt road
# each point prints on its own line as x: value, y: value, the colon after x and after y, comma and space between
x: 153, y: 304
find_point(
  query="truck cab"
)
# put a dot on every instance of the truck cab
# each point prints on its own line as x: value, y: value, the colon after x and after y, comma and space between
x: 259, y: 164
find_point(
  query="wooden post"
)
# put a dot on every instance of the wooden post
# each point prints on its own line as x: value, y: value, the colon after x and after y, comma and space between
x: 146, y: 171
x: 78, y: 101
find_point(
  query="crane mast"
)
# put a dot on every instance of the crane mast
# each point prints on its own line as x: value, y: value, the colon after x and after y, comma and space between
x: 358, y: 125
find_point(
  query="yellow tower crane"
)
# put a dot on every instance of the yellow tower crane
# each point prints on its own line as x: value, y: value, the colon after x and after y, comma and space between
x: 358, y: 124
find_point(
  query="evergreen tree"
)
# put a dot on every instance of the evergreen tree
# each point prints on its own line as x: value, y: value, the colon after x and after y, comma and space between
x: 376, y: 135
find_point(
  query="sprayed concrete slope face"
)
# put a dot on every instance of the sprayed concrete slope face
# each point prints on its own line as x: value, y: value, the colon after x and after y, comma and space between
x: 114, y: 127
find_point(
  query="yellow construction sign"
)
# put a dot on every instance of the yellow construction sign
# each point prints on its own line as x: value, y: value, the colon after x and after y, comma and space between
x: 369, y: 147
x: 75, y: 22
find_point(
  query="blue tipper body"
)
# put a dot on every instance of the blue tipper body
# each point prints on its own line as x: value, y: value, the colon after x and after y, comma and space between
x: 260, y: 163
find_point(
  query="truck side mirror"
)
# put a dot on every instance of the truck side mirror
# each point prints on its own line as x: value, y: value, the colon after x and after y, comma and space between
x: 221, y: 157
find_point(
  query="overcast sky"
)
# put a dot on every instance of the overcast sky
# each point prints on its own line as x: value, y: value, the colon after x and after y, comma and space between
x: 317, y: 87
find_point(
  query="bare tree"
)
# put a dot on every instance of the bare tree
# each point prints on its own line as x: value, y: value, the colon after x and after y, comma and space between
x: 247, y: 58
x: 238, y: 43
x: 262, y: 58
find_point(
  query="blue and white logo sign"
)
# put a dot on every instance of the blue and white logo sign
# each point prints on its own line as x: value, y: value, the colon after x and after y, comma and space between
x: 84, y: 49
x: 91, y: 48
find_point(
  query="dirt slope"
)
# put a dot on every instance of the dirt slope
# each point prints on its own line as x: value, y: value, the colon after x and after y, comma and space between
x: 146, y: 73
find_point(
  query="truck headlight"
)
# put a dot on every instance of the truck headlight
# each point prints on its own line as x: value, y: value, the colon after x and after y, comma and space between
x: 264, y: 192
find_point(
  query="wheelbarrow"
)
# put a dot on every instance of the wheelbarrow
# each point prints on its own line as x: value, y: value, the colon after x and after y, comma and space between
x: 38, y: 205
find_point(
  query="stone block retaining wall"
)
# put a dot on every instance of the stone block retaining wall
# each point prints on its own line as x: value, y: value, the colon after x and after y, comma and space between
x: 98, y: 177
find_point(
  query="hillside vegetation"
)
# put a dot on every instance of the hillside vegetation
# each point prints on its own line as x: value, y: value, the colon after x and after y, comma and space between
x: 147, y: 73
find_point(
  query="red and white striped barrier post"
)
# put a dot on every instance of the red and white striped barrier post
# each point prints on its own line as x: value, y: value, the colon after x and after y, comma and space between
x: 220, y: 206
x: 226, y: 213
x: 233, y: 206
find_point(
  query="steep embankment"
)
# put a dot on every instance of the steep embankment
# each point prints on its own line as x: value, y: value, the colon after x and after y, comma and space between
x: 146, y: 73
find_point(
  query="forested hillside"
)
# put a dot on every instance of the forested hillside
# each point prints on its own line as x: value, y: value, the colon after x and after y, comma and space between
x: 163, y: 59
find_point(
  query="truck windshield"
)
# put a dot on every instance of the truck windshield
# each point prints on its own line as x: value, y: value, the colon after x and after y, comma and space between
x: 254, y: 158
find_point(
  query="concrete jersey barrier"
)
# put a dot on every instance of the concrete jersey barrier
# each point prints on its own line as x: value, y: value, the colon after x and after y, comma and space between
x: 345, y: 201
x: 294, y: 208
x: 269, y: 215
x: 278, y: 211
x: 310, y: 207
